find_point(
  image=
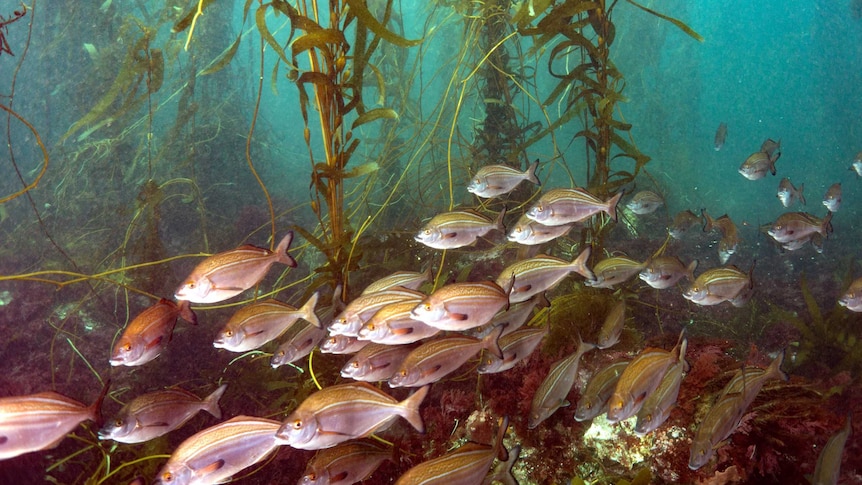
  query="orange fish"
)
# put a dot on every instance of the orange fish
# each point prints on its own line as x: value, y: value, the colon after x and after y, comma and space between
x: 149, y: 333
x: 225, y: 275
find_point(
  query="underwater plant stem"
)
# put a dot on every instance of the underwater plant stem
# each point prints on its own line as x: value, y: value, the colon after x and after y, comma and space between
x: 45, y: 158
x: 198, y: 13
x: 131, y: 463
x: 89, y: 366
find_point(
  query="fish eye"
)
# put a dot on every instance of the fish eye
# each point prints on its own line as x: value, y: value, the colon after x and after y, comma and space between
x: 297, y: 424
x: 127, y: 347
x: 427, y: 232
x: 228, y: 333
x: 354, y: 364
x: 118, y: 422
x: 191, y: 285
x: 477, y: 181
x: 370, y: 327
x: 427, y: 307
x: 403, y: 373
x: 167, y: 477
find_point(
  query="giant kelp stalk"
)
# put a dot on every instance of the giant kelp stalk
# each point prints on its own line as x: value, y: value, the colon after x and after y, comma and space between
x: 330, y: 82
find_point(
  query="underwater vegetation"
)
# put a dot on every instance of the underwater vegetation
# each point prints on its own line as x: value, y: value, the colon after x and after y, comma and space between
x: 197, y: 134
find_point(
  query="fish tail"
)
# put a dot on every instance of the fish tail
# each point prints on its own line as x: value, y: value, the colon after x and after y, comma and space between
x: 774, y: 369
x: 282, y: 248
x: 211, y: 402
x: 307, y: 310
x: 826, y: 226
x: 707, y: 226
x: 410, y: 408
x: 95, y: 409
x: 580, y: 264
x: 531, y: 173
x: 689, y: 270
x: 611, y: 205
x: 186, y: 312
x: 800, y: 195
x: 498, y: 224
x: 502, y: 453
x: 491, y: 341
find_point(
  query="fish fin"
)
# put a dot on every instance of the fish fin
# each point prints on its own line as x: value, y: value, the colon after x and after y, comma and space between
x: 458, y: 316
x: 531, y: 173
x: 212, y: 467
x: 491, y: 341
x: 707, y: 226
x: 689, y: 270
x: 775, y: 367
x: 186, y: 312
x: 450, y: 235
x: 580, y: 264
x: 283, y: 247
x: 95, y: 409
x: 498, y: 223
x: 411, y: 408
x: 402, y: 331
x: 611, y: 208
x: 211, y: 402
x: 5, y: 439
x: 522, y: 289
x: 308, y: 310
x: 565, y: 403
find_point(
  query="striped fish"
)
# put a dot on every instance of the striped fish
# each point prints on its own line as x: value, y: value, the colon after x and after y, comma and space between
x: 456, y: 229
x: 594, y: 398
x: 343, y: 412
x: 462, y: 306
x: 258, y: 323
x: 828, y: 467
x: 148, y: 334
x: 344, y: 464
x: 658, y: 405
x: 220, y: 452
x: 541, y: 273
x: 610, y: 332
x: 394, y: 325
x: 615, y: 270
x: 566, y: 206
x: 495, y: 180
x: 552, y: 392
x: 375, y: 362
x: 530, y: 233
x: 718, y: 285
x: 516, y: 346
x: 362, y: 308
x: 302, y: 338
x: 405, y: 279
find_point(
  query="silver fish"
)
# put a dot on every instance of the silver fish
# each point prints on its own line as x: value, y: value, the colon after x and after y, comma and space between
x: 220, y: 452
x: 530, y: 233
x: 719, y: 423
x: 794, y: 226
x: 147, y: 335
x: 852, y: 298
x: 658, y: 405
x: 405, y: 279
x: 157, y: 413
x: 41, y: 421
x: 394, y: 325
x: 516, y: 346
x: 826, y: 472
x: 749, y: 380
x: 787, y: 193
x: 375, y: 362
x: 362, y: 308
x: 462, y: 306
x: 641, y: 378
x: 552, y: 392
x: 720, y: 136
x: 541, y: 273
x: 345, y: 464
x: 566, y: 206
x: 435, y: 359
x: 301, y: 339
x: 665, y: 271
x: 225, y: 275
x: 614, y: 270
x: 832, y: 199
x: 342, y: 344
x: 456, y: 229
x: 343, y: 412
x: 594, y: 398
x: 259, y: 323
x: 718, y: 285
x: 495, y: 180
x: 645, y: 202
x: 856, y: 164
x: 757, y: 165
x: 610, y: 332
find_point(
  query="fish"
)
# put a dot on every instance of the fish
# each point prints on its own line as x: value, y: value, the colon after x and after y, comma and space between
x: 561, y: 206
x: 495, y: 180
x: 641, y: 378
x: 832, y: 198
x: 541, y: 273
x: 344, y: 464
x: 552, y: 392
x: 719, y: 423
x: 41, y: 421
x: 826, y: 472
x: 154, y: 414
x: 610, y: 332
x: 411, y: 280
x: 615, y: 270
x: 720, y: 136
x: 717, y: 285
x: 515, y: 346
x: 852, y: 298
x: 375, y: 362
x: 457, y: 229
x: 658, y: 405
x: 530, y: 233
x: 462, y: 306
x: 342, y: 412
x: 362, y: 308
x: 730, y: 239
x: 682, y: 222
x: 757, y: 165
x: 749, y: 380
x: 771, y: 148
x: 795, y: 226
x: 594, y: 398
x: 467, y: 465
x: 219, y: 452
x: 147, y: 335
x: 225, y: 275
x: 301, y: 339
x: 394, y: 325
x: 856, y: 164
x: 645, y: 202
x: 662, y: 272
x: 342, y: 344
x: 787, y: 193
x: 259, y: 323
x: 435, y: 359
